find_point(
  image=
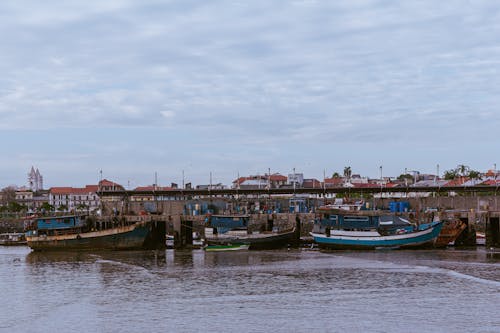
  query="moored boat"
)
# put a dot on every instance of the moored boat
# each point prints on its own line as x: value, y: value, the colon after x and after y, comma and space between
x: 12, y: 239
x: 338, y: 229
x: 223, y: 230
x: 449, y: 232
x: 73, y: 232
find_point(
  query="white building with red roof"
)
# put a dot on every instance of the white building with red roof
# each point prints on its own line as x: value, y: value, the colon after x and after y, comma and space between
x: 75, y: 198
x: 81, y: 198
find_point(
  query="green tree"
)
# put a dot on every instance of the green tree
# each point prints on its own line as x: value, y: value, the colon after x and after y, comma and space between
x: 404, y: 176
x: 450, y: 174
x: 474, y: 174
x: 462, y: 170
x: 47, y: 207
x: 336, y: 175
x: 15, y: 207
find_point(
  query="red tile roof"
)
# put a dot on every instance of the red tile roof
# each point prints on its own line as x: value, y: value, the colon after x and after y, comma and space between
x: 491, y: 182
x: 73, y: 190
x: 457, y: 182
x: 106, y: 182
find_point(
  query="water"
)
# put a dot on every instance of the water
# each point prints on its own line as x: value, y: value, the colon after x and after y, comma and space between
x: 272, y: 291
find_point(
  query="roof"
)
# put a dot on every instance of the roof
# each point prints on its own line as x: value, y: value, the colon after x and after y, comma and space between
x: 74, y: 190
x: 458, y: 181
x: 106, y: 182
x: 334, y: 181
x: 276, y: 177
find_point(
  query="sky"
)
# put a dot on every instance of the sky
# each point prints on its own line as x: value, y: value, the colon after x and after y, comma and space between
x: 154, y: 90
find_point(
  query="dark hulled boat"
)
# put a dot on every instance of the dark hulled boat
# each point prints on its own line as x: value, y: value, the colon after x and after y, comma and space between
x: 73, y: 232
x: 232, y: 230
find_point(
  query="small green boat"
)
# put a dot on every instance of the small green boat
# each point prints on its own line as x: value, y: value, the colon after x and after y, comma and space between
x: 226, y: 247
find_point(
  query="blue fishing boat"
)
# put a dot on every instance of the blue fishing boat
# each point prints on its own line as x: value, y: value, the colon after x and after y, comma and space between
x: 74, y: 232
x: 338, y: 229
x: 232, y: 231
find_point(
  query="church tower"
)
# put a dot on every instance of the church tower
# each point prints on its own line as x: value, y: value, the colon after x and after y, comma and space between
x: 35, y: 180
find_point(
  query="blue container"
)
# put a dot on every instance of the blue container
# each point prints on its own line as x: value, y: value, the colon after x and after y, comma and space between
x: 404, y: 206
x: 394, y: 206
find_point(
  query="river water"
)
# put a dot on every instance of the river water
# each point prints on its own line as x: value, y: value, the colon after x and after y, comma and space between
x: 271, y: 291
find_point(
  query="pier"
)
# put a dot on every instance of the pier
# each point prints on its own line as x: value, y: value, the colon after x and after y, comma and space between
x: 477, y: 206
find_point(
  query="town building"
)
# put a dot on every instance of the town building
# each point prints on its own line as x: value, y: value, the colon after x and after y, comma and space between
x: 74, y: 198
x: 274, y: 180
x: 35, y: 180
x: 296, y: 179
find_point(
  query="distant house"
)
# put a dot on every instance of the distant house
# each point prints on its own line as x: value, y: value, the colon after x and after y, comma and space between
x: 311, y: 183
x: 31, y: 200
x: 357, y: 179
x: 107, y: 185
x: 75, y: 198
x: 265, y: 181
x: 334, y: 182
x: 296, y: 178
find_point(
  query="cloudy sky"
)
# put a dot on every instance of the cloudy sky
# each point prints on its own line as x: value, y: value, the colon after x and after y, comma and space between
x: 137, y: 87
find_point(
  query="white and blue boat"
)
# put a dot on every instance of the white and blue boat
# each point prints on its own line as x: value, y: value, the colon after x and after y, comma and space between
x: 360, y: 230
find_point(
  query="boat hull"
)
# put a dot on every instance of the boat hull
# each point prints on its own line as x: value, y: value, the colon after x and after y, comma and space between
x: 120, y: 238
x: 264, y: 241
x: 449, y: 233
x: 232, y: 247
x: 418, y: 239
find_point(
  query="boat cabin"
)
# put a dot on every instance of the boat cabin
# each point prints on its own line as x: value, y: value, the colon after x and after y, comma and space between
x: 56, y: 225
x: 224, y: 223
x: 337, y: 219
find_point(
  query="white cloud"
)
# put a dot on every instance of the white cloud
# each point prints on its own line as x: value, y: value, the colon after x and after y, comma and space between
x: 262, y: 73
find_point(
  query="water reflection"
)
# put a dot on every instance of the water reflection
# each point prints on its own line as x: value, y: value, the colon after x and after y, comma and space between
x: 183, y: 258
x: 34, y: 258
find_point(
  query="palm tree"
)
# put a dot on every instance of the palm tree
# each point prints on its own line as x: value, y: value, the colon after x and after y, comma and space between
x: 462, y: 170
x: 347, y: 172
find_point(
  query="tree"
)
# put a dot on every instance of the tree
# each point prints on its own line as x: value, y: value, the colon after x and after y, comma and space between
x: 474, y: 174
x: 336, y: 175
x: 8, y: 195
x: 82, y: 206
x: 62, y: 208
x: 404, y: 176
x: 462, y: 170
x: 47, y: 207
x: 450, y: 174
x: 15, y: 207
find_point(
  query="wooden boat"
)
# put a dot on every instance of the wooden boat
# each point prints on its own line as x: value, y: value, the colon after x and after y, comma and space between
x: 339, y: 229
x: 449, y: 232
x: 72, y: 232
x: 12, y: 239
x: 223, y: 230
